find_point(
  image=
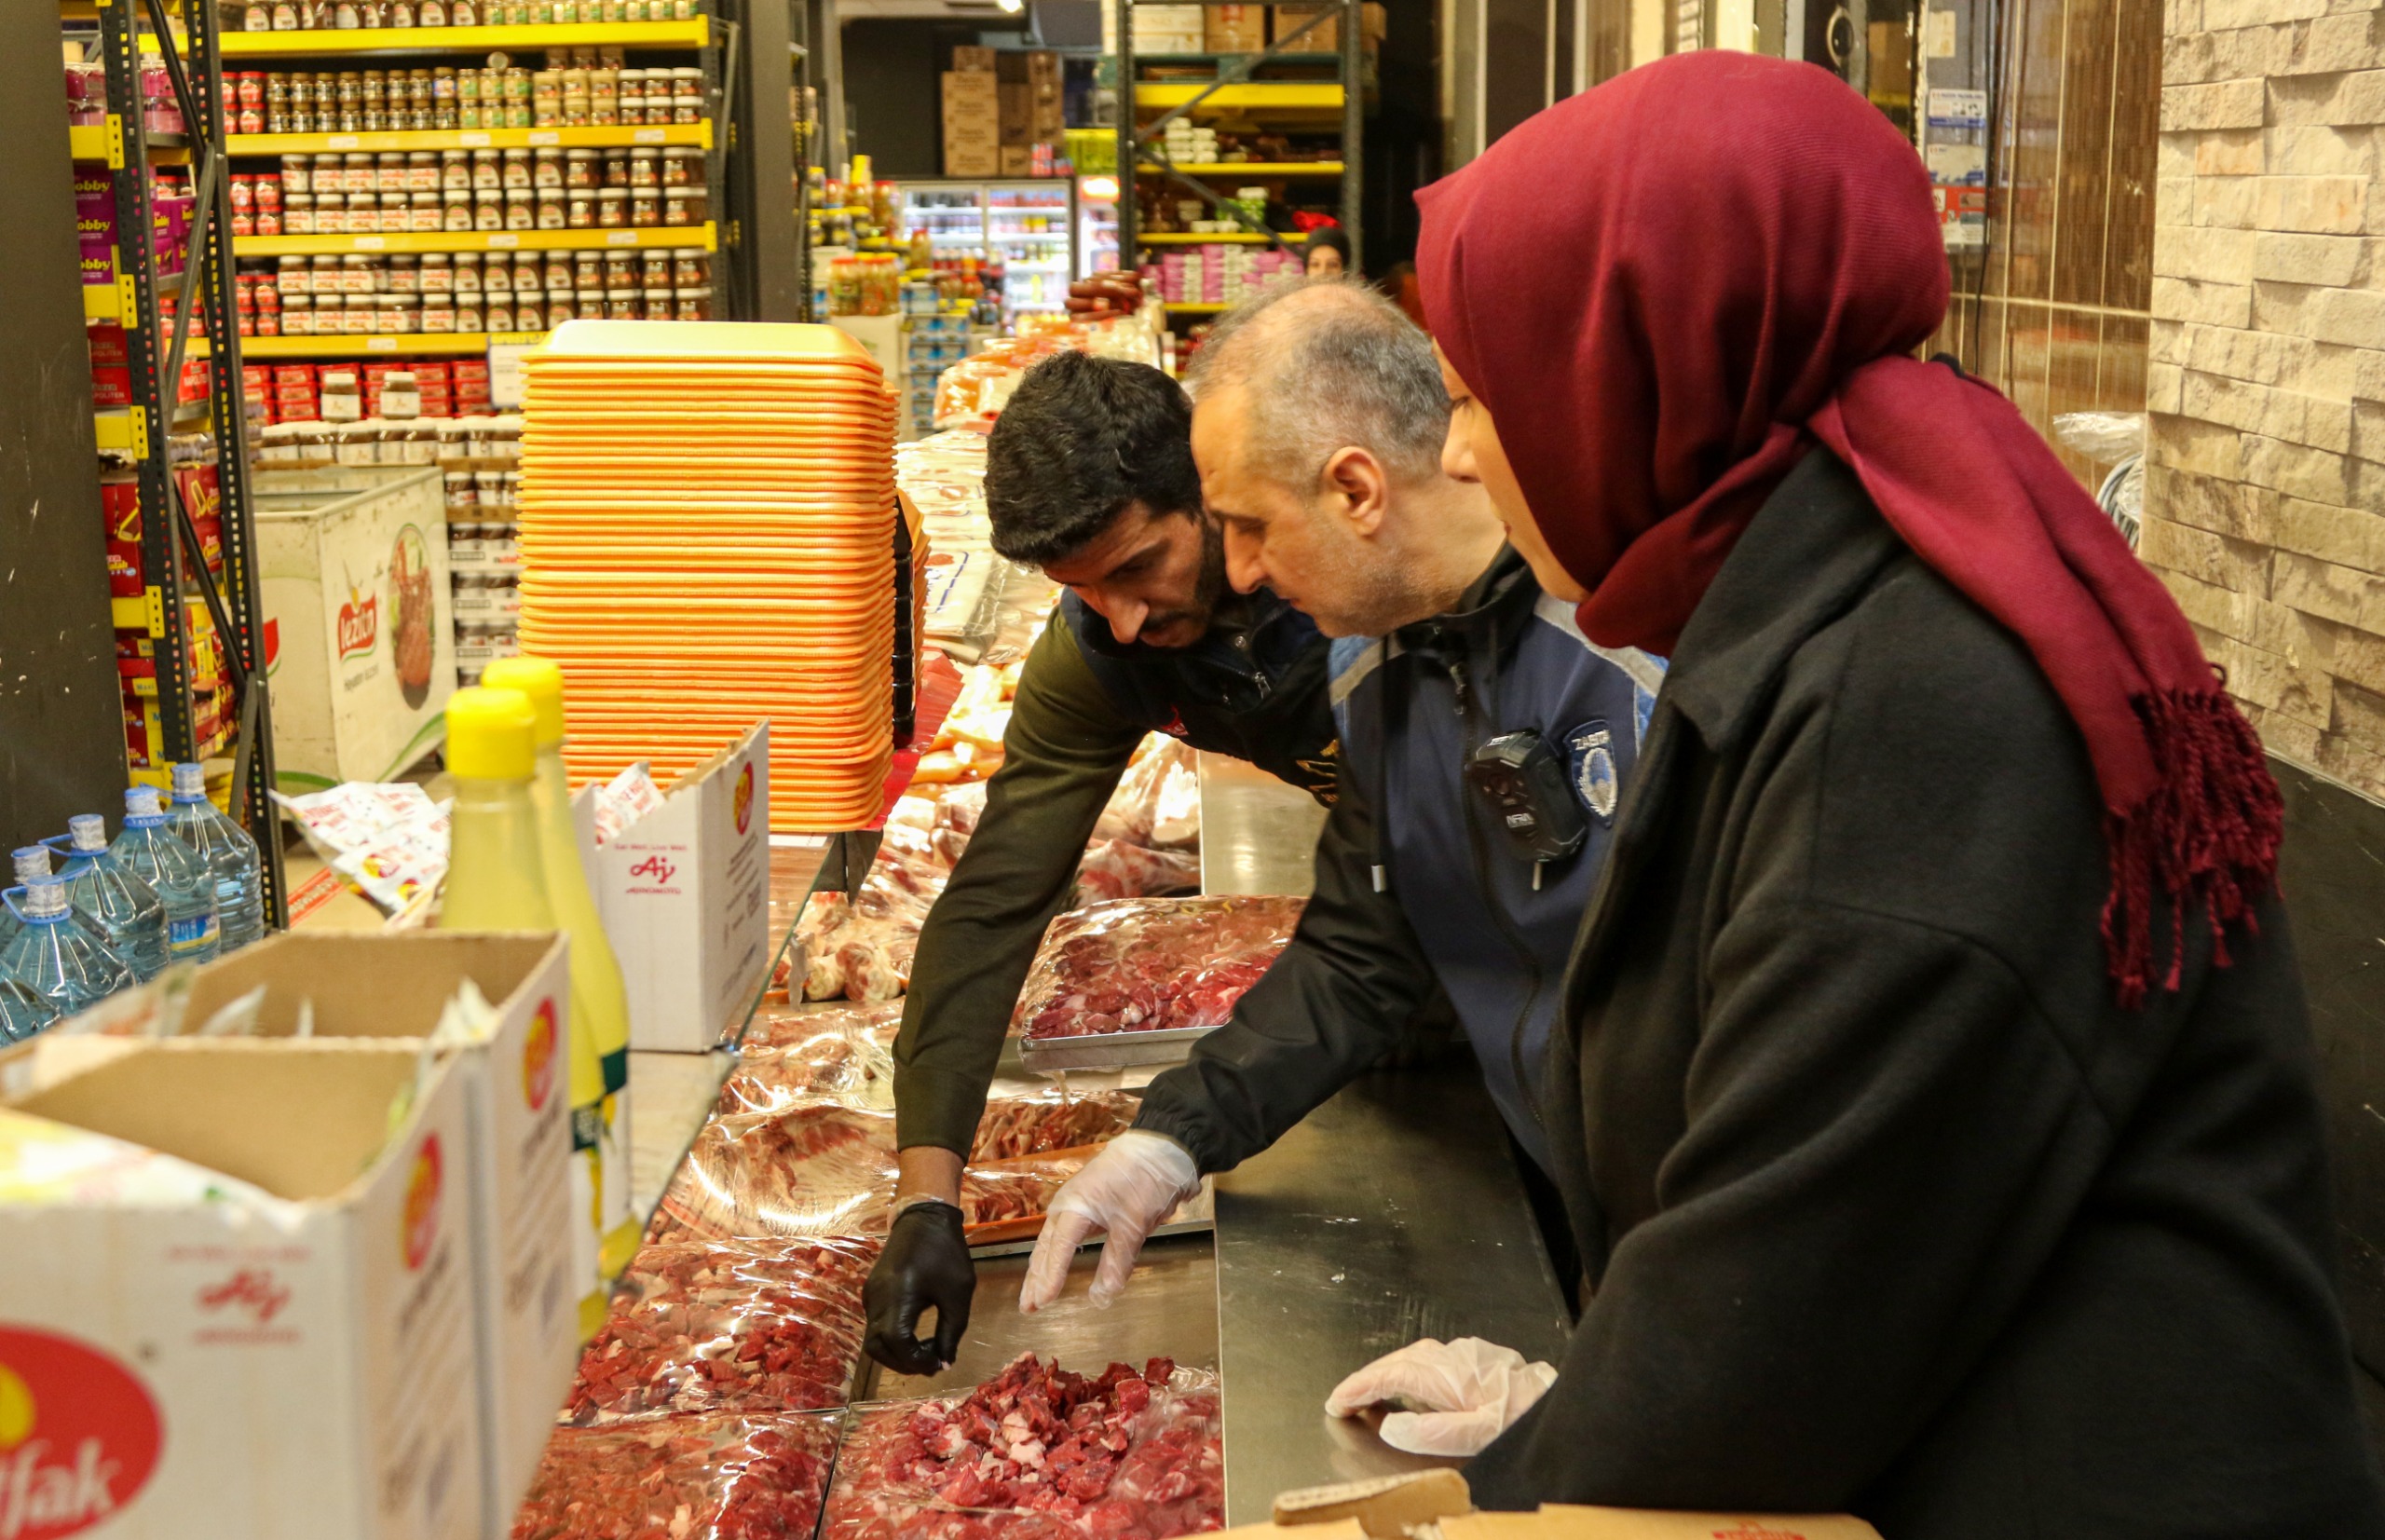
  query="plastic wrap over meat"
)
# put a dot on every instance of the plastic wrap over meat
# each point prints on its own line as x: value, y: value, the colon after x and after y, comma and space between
x: 863, y: 950
x: 728, y: 1325
x: 847, y: 1063
x: 1038, y: 1453
x: 1151, y: 964
x: 1006, y: 1200
x: 1035, y: 1125
x: 1113, y: 869
x: 816, y: 1169
x: 1133, y: 810
x: 789, y: 1028
x: 695, y: 1477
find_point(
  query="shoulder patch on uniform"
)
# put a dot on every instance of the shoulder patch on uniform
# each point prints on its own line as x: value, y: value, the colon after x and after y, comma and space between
x: 1646, y: 669
x: 1351, y: 658
x: 1589, y: 755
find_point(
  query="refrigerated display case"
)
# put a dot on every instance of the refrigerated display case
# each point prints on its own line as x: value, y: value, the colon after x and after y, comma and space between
x: 1028, y: 226
x: 1097, y: 225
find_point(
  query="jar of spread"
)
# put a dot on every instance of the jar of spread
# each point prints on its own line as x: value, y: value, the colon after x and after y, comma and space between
x: 330, y: 214
x: 341, y: 401
x: 612, y: 208
x: 551, y: 211
x: 692, y: 302
x: 292, y: 277
x: 457, y: 209
x: 488, y: 172
x: 297, y: 173
x: 646, y: 168
x: 515, y: 170
x: 580, y: 169
x: 438, y: 274
x: 579, y: 209
x: 678, y: 167
x: 389, y: 172
x: 468, y: 274
x: 683, y: 206
x: 658, y: 305
x: 687, y: 268
x: 297, y: 314
x: 468, y: 315
x: 358, y: 314
x: 439, y: 311
x: 617, y: 168
x: 298, y: 214
x: 498, y: 312
x: 427, y: 213
x: 386, y: 315
x: 621, y: 305
x: 645, y: 207
x: 488, y: 213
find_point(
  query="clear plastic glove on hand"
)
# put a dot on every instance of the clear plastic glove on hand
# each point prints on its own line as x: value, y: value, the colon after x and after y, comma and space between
x: 1128, y: 1189
x: 1471, y: 1392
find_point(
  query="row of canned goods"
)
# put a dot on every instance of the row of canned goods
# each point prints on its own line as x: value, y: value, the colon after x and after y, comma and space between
x: 483, y: 549
x: 505, y: 95
x: 406, y: 315
x: 481, y: 495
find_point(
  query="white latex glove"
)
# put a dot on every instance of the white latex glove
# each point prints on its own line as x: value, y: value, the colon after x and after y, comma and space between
x: 1128, y: 1189
x: 1471, y: 1392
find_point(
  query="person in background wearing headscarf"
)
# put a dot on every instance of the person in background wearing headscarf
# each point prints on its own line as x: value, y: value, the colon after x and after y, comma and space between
x: 1327, y: 254
x: 1943, y: 1142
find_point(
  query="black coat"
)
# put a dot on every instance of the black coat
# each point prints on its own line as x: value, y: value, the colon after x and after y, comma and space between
x: 1887, y: 1205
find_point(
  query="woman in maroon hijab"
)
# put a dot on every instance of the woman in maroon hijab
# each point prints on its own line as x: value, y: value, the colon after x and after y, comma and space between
x: 1937, y: 1109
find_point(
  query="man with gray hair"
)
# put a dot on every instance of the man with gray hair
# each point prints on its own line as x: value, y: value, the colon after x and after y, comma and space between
x: 1484, y: 740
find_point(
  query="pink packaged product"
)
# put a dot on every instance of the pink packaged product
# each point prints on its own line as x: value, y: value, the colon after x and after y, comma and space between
x: 87, y: 95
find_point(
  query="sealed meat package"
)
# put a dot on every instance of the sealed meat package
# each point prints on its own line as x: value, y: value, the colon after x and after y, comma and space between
x: 839, y: 1061
x: 1034, y: 1125
x: 1151, y: 964
x: 692, y: 1477
x: 1037, y: 1453
x: 728, y: 1327
x: 789, y: 1028
x: 1006, y: 1200
x: 1113, y: 869
x: 818, y: 1168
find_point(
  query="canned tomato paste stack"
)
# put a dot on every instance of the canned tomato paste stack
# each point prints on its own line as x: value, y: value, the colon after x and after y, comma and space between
x: 707, y: 525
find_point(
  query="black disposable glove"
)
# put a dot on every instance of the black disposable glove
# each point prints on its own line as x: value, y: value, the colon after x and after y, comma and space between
x: 925, y: 1263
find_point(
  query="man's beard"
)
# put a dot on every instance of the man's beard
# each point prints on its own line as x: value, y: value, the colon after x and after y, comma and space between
x: 1208, y: 588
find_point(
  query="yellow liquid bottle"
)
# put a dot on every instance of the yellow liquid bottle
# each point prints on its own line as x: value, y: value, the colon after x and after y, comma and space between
x: 496, y: 881
x: 598, y: 998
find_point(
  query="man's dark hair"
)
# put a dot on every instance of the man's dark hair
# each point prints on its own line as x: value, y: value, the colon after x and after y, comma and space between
x: 1082, y: 438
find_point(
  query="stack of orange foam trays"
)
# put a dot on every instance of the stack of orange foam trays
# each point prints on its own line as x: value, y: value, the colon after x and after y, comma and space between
x: 707, y: 520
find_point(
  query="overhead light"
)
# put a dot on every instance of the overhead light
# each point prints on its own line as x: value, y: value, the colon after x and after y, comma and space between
x: 1100, y: 187
x: 1011, y: 7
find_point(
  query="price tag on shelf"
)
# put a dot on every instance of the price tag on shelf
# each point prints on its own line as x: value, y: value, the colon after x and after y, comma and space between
x: 621, y: 237
x: 343, y: 142
x: 380, y: 345
x: 506, y: 381
x: 370, y: 243
x: 472, y: 137
x: 545, y: 136
x: 647, y: 136
x: 507, y: 238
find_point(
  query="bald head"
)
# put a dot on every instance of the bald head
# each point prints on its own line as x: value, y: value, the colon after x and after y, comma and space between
x: 1324, y: 365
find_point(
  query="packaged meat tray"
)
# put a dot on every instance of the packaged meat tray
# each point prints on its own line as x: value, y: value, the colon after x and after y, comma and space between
x: 728, y: 1327
x: 1132, y: 981
x: 792, y: 1027
x: 1035, y: 1125
x: 1037, y: 1453
x: 845, y: 1064
x: 818, y: 1168
x: 697, y: 1478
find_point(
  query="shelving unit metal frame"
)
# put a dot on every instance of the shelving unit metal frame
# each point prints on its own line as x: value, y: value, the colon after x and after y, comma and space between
x: 1138, y: 146
x: 204, y: 294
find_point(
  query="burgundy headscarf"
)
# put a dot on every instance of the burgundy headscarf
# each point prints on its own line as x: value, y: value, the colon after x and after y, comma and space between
x: 1667, y: 289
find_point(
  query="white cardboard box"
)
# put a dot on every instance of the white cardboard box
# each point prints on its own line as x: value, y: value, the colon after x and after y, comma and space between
x: 527, y: 1278
x: 359, y: 627
x: 686, y: 896
x: 198, y: 1374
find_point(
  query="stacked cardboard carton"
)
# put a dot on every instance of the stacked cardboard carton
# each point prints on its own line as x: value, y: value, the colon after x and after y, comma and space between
x: 1029, y: 90
x: 972, y: 115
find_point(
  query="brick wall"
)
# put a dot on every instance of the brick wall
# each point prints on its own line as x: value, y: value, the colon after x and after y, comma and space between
x: 2265, y: 499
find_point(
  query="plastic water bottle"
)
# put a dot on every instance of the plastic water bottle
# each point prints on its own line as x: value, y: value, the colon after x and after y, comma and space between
x: 31, y: 863
x: 22, y: 1012
x: 125, y: 911
x: 182, y: 877
x: 239, y: 886
x: 55, y: 956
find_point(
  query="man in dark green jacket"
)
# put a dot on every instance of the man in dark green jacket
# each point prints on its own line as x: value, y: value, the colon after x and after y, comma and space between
x: 1090, y: 477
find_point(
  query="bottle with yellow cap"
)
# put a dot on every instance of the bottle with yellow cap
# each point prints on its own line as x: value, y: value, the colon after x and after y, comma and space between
x: 598, y: 999
x: 496, y: 881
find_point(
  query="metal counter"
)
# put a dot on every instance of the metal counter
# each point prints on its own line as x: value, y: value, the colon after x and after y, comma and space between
x: 1258, y: 835
x: 1392, y: 1212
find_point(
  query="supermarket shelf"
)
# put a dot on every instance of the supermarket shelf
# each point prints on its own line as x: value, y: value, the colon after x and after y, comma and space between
x: 1248, y: 96
x: 344, y: 345
x: 1197, y: 238
x: 114, y: 429
x: 99, y: 302
x: 88, y: 143
x: 693, y: 34
x: 1250, y: 168
x: 1190, y: 307
x: 697, y: 134
x: 699, y: 237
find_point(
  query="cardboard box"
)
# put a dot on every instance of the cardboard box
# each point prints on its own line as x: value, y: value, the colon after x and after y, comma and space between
x: 194, y: 1373
x: 1017, y: 115
x: 967, y: 159
x: 1234, y: 28
x: 1170, y: 29
x: 1046, y: 111
x: 969, y: 60
x: 1022, y: 66
x: 1018, y: 160
x: 685, y: 894
x: 533, y: 1267
x: 1325, y: 37
x: 360, y: 624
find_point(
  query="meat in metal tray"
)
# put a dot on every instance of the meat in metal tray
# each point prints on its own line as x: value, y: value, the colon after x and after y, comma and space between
x: 1105, y: 1050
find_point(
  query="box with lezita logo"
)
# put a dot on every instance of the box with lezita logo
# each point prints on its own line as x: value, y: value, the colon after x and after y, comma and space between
x: 359, y: 622
x: 235, y: 1299
x: 686, y: 896
x: 298, y: 992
